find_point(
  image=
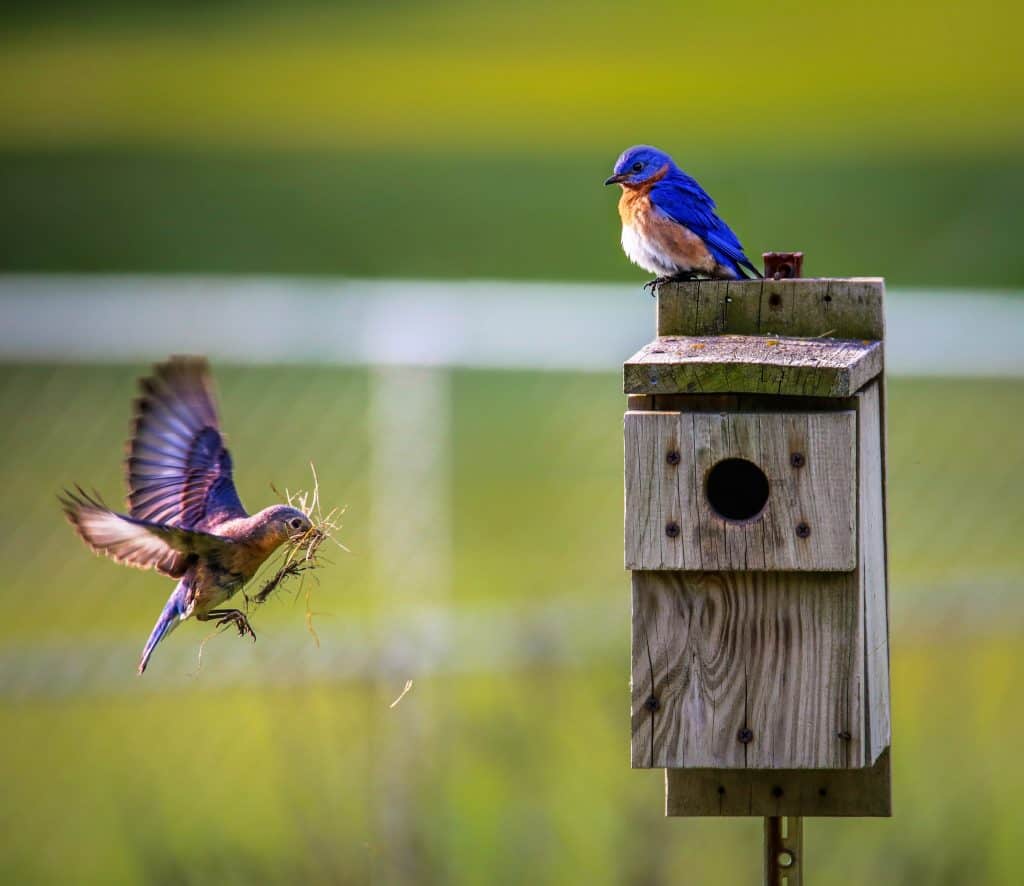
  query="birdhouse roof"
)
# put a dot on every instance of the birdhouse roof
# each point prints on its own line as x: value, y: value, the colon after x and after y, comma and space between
x: 753, y: 364
x: 818, y: 337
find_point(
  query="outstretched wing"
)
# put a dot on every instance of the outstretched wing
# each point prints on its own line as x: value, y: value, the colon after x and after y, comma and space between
x: 179, y: 473
x: 683, y: 199
x: 139, y: 543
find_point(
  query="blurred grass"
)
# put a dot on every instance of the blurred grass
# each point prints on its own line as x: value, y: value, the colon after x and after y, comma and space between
x: 925, y: 77
x: 942, y: 221
x: 520, y: 773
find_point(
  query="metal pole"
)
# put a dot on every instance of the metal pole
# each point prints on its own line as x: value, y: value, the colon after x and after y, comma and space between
x: 783, y: 851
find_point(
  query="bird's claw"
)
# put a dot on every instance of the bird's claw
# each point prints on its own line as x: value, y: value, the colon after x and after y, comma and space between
x: 652, y: 285
x: 241, y: 623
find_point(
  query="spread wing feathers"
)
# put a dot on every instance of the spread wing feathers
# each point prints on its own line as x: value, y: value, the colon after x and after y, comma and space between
x: 179, y: 473
x: 134, y: 542
x: 680, y: 197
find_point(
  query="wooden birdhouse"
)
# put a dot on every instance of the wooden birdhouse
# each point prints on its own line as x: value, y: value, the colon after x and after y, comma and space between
x: 755, y: 532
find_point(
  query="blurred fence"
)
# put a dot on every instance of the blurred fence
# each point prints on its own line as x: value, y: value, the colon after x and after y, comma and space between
x: 406, y: 343
x: 479, y: 324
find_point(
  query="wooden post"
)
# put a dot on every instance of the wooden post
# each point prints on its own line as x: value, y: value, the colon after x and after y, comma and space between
x: 755, y: 533
x: 783, y: 851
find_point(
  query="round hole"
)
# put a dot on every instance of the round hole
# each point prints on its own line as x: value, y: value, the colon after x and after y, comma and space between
x: 737, y: 489
x: 774, y: 300
x: 786, y: 859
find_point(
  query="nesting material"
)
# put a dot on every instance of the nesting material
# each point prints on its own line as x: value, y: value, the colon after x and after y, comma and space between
x: 303, y: 554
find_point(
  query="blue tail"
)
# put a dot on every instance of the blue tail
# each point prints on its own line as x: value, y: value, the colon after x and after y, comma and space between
x: 169, y: 619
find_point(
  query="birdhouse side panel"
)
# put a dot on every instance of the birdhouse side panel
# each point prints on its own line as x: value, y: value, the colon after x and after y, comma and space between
x: 871, y: 505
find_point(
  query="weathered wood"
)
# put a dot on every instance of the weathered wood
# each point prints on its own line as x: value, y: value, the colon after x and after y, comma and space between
x: 670, y: 523
x: 871, y: 523
x: 783, y: 850
x: 770, y: 792
x: 850, y: 308
x: 810, y: 367
x: 776, y: 654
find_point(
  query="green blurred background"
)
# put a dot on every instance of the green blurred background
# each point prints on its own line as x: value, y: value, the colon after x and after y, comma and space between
x: 453, y: 140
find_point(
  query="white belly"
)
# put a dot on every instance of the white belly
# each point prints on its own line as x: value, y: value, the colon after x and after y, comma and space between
x: 646, y: 254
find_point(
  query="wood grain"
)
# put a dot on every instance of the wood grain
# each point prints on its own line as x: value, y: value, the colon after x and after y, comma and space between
x: 756, y: 792
x: 817, y: 367
x: 778, y: 654
x: 840, y: 308
x: 819, y: 495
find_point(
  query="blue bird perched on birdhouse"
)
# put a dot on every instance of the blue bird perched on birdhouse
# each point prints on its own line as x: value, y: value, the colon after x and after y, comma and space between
x: 669, y: 223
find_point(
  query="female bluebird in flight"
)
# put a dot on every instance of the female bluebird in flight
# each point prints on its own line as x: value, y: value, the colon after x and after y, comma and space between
x: 184, y: 518
x: 669, y: 224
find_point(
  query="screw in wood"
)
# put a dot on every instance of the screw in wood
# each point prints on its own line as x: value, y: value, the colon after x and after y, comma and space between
x: 672, y: 529
x: 745, y: 736
x: 776, y: 792
x: 844, y: 735
x: 803, y: 530
x: 797, y: 460
x: 652, y: 704
x: 673, y: 458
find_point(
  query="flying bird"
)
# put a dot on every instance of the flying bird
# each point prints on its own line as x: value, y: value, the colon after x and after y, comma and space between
x: 184, y: 518
x: 669, y: 223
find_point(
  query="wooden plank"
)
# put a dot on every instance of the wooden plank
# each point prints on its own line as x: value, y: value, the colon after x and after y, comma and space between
x: 840, y: 308
x: 871, y: 522
x: 761, y: 792
x: 777, y: 654
x: 670, y: 522
x: 804, y: 367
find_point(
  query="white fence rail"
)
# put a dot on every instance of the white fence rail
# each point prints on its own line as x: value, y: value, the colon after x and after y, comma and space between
x: 483, y: 324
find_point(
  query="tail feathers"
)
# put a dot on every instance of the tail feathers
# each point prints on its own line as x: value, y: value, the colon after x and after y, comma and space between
x: 169, y: 619
x: 744, y: 266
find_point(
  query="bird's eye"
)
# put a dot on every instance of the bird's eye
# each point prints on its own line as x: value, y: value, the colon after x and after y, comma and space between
x: 637, y: 166
x: 296, y: 523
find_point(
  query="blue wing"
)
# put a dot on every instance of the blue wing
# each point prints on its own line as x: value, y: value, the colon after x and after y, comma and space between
x: 179, y: 472
x: 680, y: 197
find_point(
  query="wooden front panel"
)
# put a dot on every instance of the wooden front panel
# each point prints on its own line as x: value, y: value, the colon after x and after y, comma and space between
x: 808, y: 522
x: 747, y: 670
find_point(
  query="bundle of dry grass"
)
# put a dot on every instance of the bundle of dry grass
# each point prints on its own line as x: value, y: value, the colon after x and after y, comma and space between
x: 303, y: 554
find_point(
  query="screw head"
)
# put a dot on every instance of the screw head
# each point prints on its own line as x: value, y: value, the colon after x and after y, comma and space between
x: 803, y: 530
x: 797, y: 460
x: 745, y: 736
x: 673, y: 458
x: 672, y: 529
x: 652, y: 704
x: 844, y: 735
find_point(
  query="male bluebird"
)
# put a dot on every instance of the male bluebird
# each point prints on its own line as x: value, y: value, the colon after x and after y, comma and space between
x: 669, y: 224
x: 184, y: 519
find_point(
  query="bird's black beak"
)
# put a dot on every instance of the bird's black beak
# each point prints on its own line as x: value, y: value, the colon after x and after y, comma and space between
x: 615, y: 179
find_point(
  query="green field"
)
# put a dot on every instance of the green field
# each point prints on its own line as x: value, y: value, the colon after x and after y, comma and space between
x: 497, y: 215
x: 503, y: 772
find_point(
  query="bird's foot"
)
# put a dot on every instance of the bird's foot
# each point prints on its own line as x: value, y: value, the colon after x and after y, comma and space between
x: 652, y: 285
x: 231, y: 617
x: 678, y: 277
